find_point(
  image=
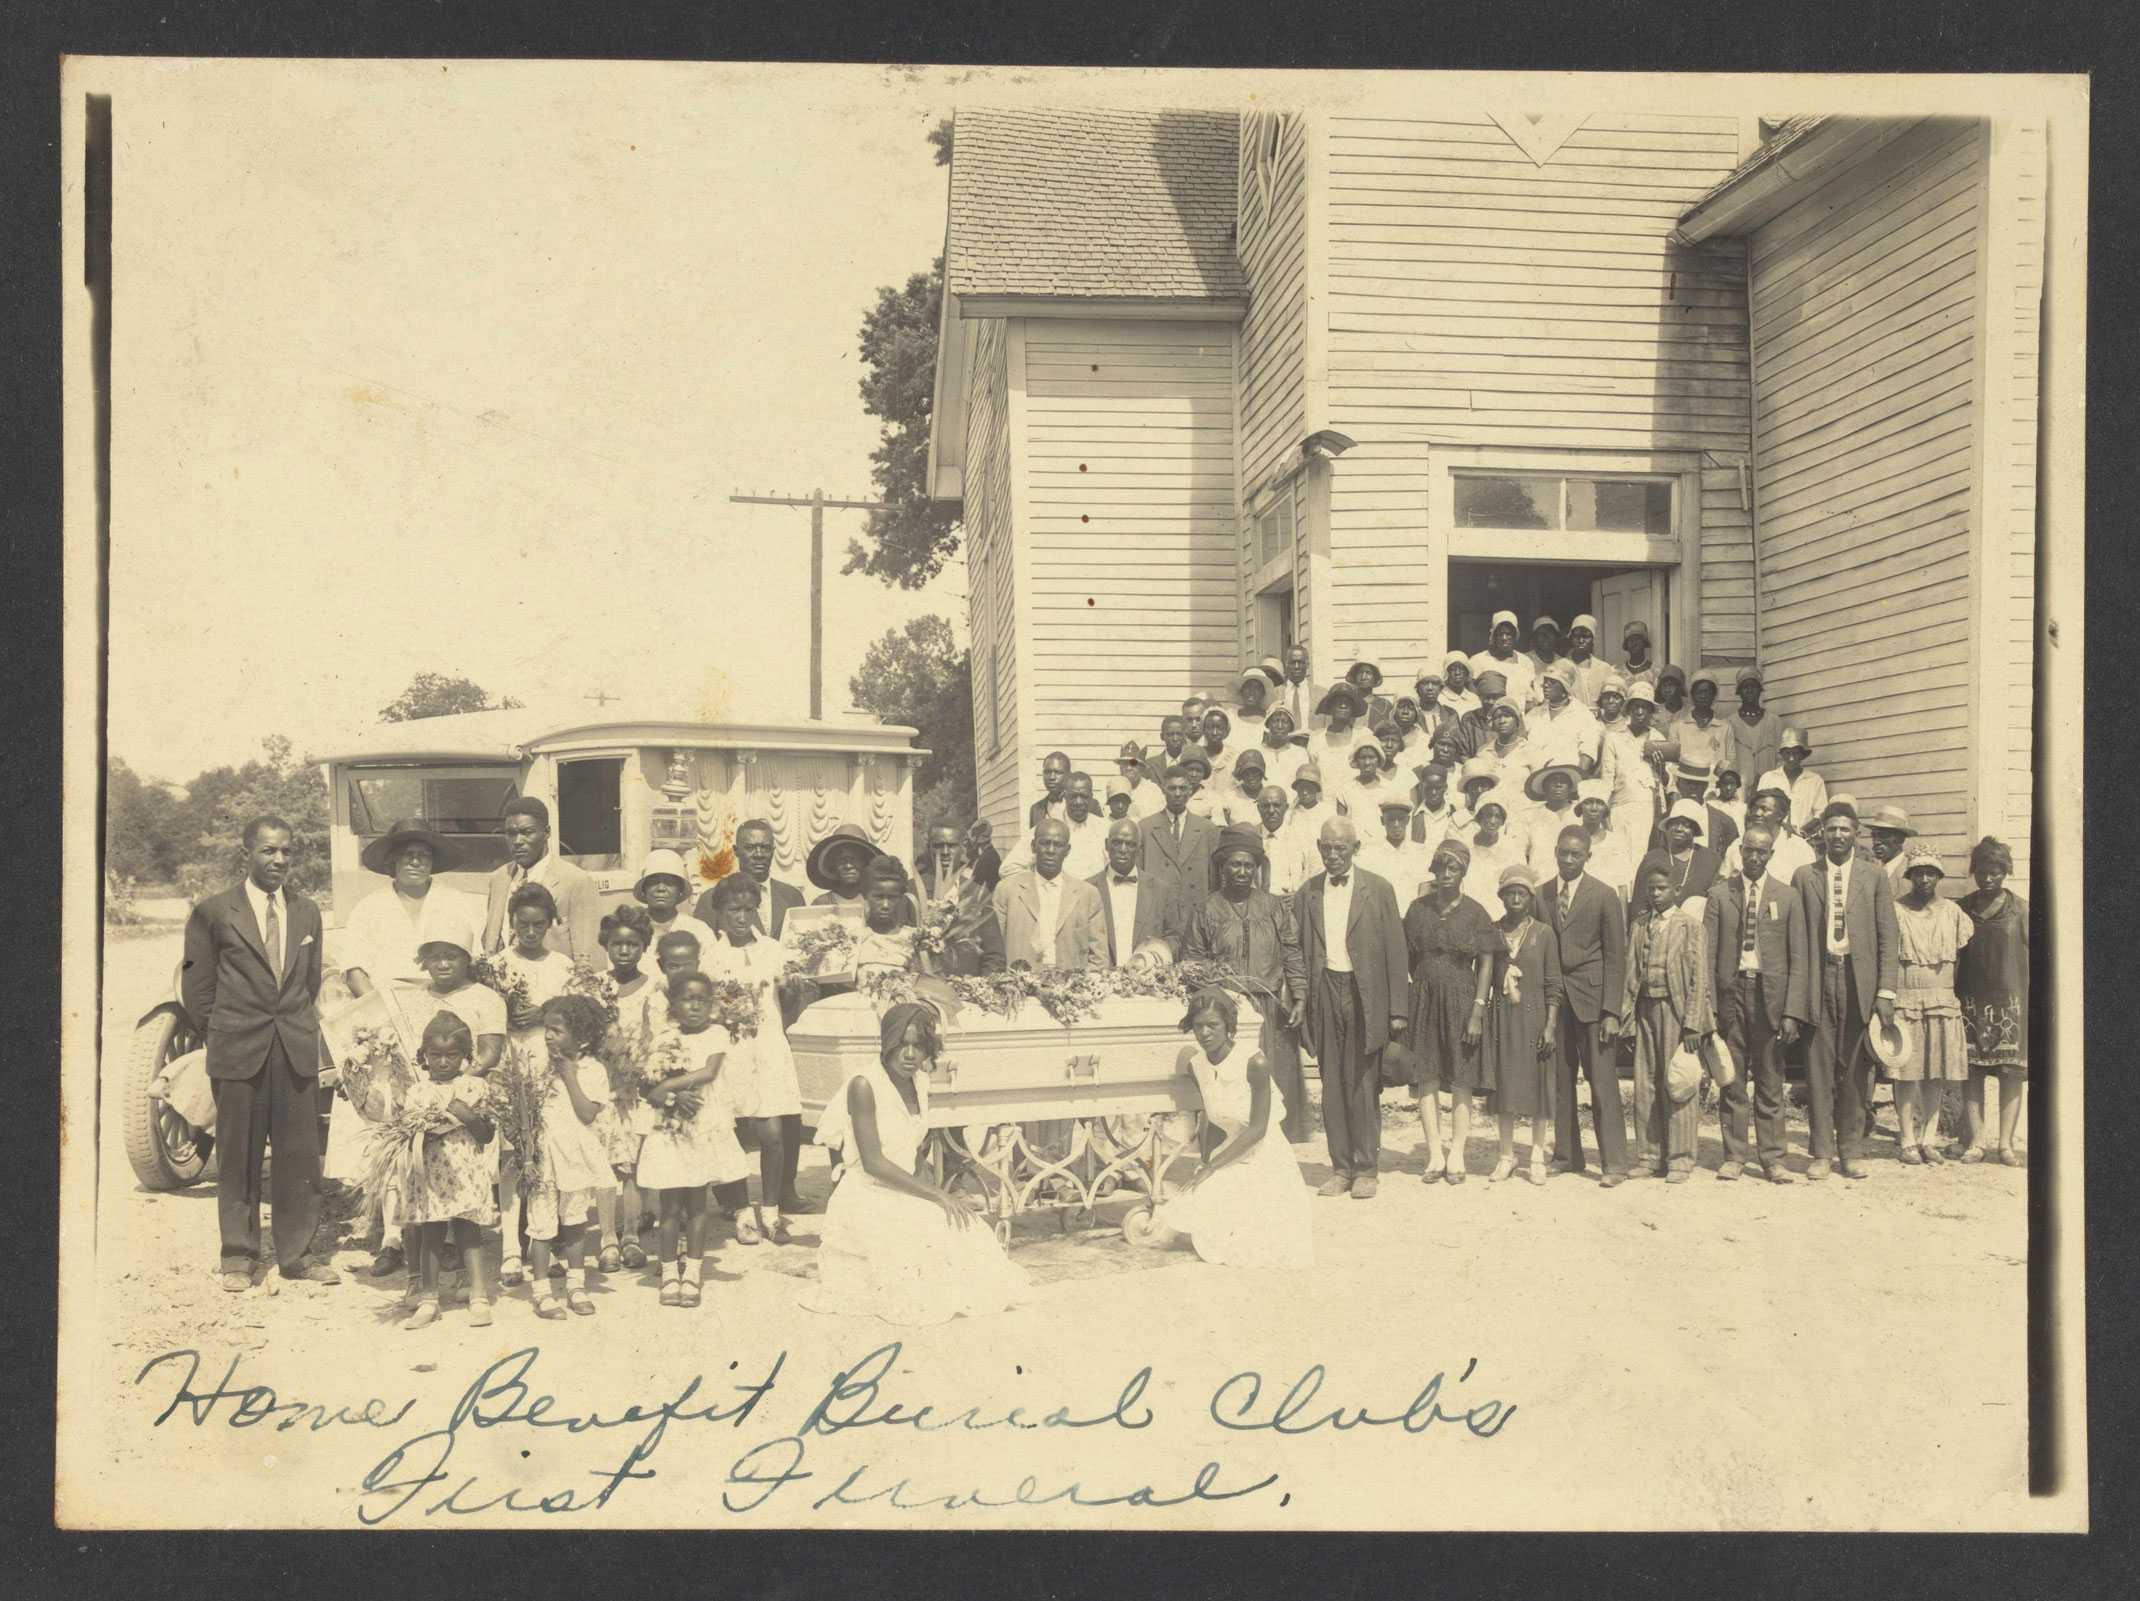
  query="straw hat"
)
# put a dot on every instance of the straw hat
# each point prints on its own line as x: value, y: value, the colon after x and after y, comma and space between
x: 1535, y: 785
x: 1892, y: 1046
x: 1683, y: 1075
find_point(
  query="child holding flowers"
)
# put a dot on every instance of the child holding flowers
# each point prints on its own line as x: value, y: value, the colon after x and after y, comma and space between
x: 574, y: 1170
x: 692, y: 1142
x: 642, y: 1006
x: 435, y: 1153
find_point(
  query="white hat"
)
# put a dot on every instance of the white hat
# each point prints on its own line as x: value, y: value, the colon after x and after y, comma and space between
x: 1501, y: 617
x: 454, y: 924
x: 1583, y: 620
x: 1693, y: 812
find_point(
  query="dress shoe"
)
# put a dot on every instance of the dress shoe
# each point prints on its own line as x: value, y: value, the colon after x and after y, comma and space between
x: 1335, y: 1184
x: 1850, y: 1169
x: 1779, y: 1174
x: 1678, y: 1175
x: 237, y: 1280
x: 793, y: 1204
x: 1731, y: 1170
x: 310, y: 1272
x: 1817, y: 1169
x: 387, y: 1263
x: 1611, y: 1181
x: 1364, y: 1187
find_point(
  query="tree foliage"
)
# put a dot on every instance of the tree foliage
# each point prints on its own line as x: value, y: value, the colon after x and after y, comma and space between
x: 917, y: 676
x: 441, y: 695
x: 909, y: 541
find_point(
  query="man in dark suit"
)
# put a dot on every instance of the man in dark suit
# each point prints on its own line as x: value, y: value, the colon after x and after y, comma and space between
x: 1753, y: 939
x: 1590, y: 924
x: 1178, y: 843
x: 1847, y: 929
x: 1055, y: 784
x: 754, y: 858
x: 576, y: 932
x: 250, y: 983
x: 1359, y: 999
x: 1138, y: 908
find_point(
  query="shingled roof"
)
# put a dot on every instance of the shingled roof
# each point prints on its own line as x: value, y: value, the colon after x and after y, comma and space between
x: 1106, y: 204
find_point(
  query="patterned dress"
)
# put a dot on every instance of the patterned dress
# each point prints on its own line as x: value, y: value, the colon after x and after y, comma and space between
x: 1932, y: 937
x: 1992, y: 979
x: 453, y: 1177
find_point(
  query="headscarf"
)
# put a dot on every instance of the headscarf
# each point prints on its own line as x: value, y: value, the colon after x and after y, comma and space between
x: 1453, y: 847
x: 903, y: 1016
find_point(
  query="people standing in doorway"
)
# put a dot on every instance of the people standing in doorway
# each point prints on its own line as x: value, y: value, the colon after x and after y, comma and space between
x: 1992, y: 979
x: 1501, y: 656
x: 1587, y: 671
x: 1637, y: 660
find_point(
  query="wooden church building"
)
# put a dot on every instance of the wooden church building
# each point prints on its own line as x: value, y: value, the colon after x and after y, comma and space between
x: 1209, y: 384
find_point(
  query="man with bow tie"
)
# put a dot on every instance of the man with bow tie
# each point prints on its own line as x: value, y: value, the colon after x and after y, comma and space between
x: 1138, y: 907
x: 1358, y: 1000
x: 251, y: 984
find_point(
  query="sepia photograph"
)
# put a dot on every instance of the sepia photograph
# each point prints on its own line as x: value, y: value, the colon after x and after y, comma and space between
x: 894, y: 797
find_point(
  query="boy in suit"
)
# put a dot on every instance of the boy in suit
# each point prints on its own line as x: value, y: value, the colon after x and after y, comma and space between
x: 251, y: 984
x: 1847, y: 929
x: 1585, y: 916
x: 1754, y: 939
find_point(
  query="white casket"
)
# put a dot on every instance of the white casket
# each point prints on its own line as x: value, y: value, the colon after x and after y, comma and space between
x: 1018, y: 1069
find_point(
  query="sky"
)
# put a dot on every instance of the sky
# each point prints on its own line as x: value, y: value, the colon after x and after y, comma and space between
x: 424, y: 367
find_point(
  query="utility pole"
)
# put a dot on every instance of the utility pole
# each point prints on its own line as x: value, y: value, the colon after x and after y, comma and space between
x: 817, y: 504
x: 600, y: 697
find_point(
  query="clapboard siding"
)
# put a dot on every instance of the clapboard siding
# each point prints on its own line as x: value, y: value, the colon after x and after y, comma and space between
x: 1272, y: 393
x: 1864, y: 324
x: 1477, y: 298
x: 2011, y: 499
x: 992, y: 560
x: 1131, y: 546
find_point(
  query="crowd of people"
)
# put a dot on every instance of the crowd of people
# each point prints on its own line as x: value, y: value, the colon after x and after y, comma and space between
x: 1535, y: 863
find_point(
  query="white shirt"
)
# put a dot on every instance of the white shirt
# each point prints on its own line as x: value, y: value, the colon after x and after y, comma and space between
x: 1145, y: 800
x: 261, y: 900
x: 1791, y: 853
x: 1520, y: 670
x: 1808, y: 792
x: 1299, y: 699
x: 385, y: 937
x: 1280, y: 764
x: 1088, y: 845
x: 1292, y: 855
x: 1337, y: 912
x: 1406, y: 866
x: 1048, y: 898
x: 1122, y: 903
x: 1568, y: 736
x: 1542, y: 838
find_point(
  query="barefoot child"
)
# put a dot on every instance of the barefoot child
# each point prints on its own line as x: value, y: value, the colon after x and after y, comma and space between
x: 575, y: 1162
x: 693, y: 1141
x: 447, y: 1188
x: 642, y: 1007
x: 532, y: 973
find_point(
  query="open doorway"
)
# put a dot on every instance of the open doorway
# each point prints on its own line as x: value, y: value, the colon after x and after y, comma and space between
x: 1614, y: 595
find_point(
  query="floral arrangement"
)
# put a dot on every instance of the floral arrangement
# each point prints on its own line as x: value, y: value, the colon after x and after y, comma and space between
x: 512, y: 987
x: 668, y: 1055
x: 1068, y: 995
x: 376, y: 1062
x: 597, y: 986
x: 516, y: 1098
x: 932, y: 939
x: 624, y: 1058
x: 735, y: 1008
x: 811, y: 950
x: 394, y: 1148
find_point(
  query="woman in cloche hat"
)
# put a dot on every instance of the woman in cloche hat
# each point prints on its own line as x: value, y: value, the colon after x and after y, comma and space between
x: 1932, y: 932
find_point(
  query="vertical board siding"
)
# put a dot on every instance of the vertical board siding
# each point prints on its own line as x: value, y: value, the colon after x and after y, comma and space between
x: 2013, y: 502
x: 1863, y: 318
x: 1480, y: 298
x: 1133, y: 546
x: 991, y: 558
x: 1272, y: 244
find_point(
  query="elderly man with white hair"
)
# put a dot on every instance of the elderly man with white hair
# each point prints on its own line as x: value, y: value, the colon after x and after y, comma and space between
x: 1358, y: 1000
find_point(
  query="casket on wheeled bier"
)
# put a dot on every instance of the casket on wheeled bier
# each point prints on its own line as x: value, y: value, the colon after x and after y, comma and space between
x: 1023, y: 1068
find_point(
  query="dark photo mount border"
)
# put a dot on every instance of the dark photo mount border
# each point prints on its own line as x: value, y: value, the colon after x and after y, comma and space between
x: 1519, y: 35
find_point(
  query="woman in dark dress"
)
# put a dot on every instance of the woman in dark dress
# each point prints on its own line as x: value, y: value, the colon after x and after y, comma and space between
x: 1992, y: 978
x: 1449, y: 938
x: 1522, y: 1016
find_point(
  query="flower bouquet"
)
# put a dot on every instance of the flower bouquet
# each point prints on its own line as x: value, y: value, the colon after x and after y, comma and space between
x: 375, y: 1063
x: 597, y: 986
x: 821, y: 947
x: 394, y: 1154
x: 512, y: 987
x: 516, y: 1098
x: 735, y: 1008
x: 669, y: 1056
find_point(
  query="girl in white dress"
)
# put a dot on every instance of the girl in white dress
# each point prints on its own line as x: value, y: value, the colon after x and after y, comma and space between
x: 533, y: 973
x: 1246, y: 1206
x: 575, y: 1162
x: 642, y: 1006
x: 762, y: 1088
x: 896, y: 1246
x: 693, y: 1141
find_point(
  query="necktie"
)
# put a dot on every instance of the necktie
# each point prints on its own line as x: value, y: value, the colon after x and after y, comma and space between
x: 1337, y: 880
x: 274, y: 937
x: 1835, y: 903
x: 1177, y: 828
x: 1131, y: 879
x: 1561, y: 897
x: 1747, y: 923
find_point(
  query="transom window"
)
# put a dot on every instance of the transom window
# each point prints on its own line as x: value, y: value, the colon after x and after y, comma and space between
x: 1581, y: 503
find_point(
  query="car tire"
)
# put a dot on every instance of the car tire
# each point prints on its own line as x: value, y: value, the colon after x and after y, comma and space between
x: 165, y: 1151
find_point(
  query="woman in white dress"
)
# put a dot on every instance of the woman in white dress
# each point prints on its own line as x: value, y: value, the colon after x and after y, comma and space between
x: 896, y: 1246
x: 1246, y: 1206
x: 763, y: 1091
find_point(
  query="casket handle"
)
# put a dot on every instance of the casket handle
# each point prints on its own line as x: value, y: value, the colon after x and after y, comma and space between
x: 1089, y: 1065
x: 945, y: 1071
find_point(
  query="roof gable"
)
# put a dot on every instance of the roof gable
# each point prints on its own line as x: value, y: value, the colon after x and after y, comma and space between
x: 1104, y: 204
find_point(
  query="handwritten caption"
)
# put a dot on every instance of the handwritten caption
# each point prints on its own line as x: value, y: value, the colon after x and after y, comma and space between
x: 861, y: 1406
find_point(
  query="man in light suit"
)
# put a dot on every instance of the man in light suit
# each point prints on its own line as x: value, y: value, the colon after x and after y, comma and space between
x: 1048, y: 918
x: 529, y: 860
x: 250, y: 983
x: 1847, y: 929
x: 1177, y: 842
x: 1299, y: 693
x: 1589, y: 923
x: 1754, y: 936
x: 1137, y: 908
x: 1359, y: 999
x: 754, y: 859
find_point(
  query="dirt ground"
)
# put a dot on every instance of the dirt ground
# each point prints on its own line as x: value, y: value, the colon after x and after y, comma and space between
x: 1680, y: 1356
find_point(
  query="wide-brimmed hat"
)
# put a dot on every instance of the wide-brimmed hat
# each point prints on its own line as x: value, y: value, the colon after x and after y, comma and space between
x: 1477, y: 768
x: 1535, y: 785
x: 1890, y: 817
x: 1342, y: 694
x: 1692, y: 772
x: 668, y: 864
x: 847, y: 836
x: 1690, y: 811
x: 1892, y: 1046
x: 1273, y: 669
x: 1238, y: 839
x: 378, y: 856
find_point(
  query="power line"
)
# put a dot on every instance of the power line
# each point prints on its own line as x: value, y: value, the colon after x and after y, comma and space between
x: 817, y: 503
